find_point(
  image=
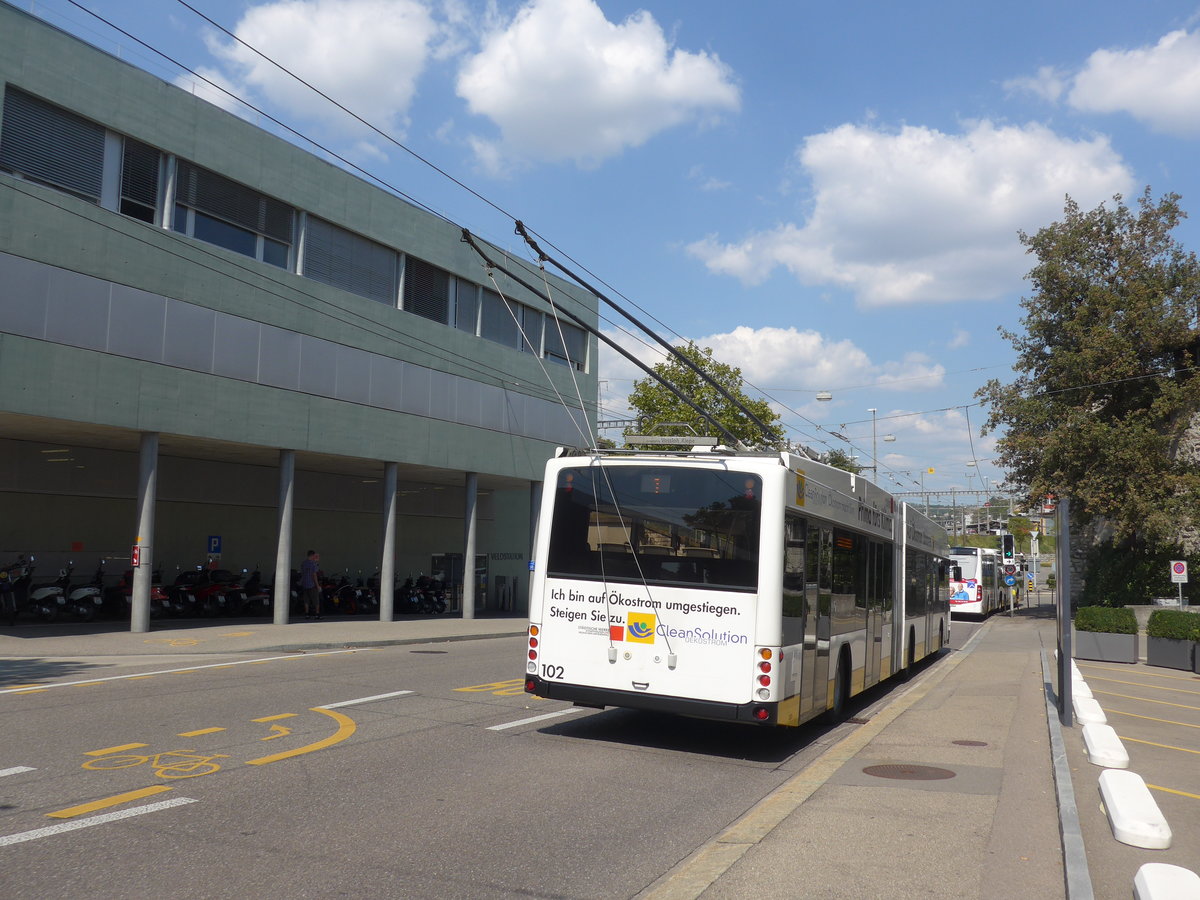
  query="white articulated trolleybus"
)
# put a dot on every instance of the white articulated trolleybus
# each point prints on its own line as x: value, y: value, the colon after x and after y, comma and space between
x: 751, y: 587
x: 978, y: 589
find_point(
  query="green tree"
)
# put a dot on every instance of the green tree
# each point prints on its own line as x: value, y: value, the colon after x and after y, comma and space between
x: 656, y: 405
x: 840, y: 459
x: 1106, y: 385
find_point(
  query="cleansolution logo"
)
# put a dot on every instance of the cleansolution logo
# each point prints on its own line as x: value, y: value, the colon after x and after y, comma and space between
x: 640, y: 628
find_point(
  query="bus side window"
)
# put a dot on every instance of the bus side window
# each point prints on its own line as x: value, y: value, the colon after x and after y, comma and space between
x: 956, y: 573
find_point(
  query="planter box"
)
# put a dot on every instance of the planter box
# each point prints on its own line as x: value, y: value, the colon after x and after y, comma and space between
x: 1171, y: 653
x: 1196, y: 659
x: 1100, y: 645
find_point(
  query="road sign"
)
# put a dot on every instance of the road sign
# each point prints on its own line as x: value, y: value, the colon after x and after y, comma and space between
x: 1010, y: 580
x: 214, y: 544
x: 1010, y: 569
x: 1179, y: 571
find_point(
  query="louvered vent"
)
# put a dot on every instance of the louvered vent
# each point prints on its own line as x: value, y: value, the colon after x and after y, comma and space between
x: 139, y: 180
x: 345, y: 260
x: 426, y: 290
x: 211, y: 193
x: 497, y: 322
x: 44, y: 143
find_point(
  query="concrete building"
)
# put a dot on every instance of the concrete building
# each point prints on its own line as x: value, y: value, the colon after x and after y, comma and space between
x: 271, y: 353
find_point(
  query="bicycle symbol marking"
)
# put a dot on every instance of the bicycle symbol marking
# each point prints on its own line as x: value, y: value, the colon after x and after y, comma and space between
x: 168, y: 764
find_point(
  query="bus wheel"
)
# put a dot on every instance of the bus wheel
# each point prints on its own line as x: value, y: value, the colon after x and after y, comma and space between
x: 841, y: 690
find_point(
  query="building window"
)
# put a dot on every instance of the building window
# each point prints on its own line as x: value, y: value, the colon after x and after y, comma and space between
x: 342, y: 259
x: 212, y: 208
x: 45, y: 143
x: 498, y: 324
x: 571, y: 348
x: 426, y: 290
x: 139, y: 180
x: 466, y: 306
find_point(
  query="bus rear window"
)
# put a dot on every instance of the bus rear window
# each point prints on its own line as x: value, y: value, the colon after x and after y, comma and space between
x: 694, y: 528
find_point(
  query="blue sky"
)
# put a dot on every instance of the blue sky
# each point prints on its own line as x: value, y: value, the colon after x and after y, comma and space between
x: 827, y: 195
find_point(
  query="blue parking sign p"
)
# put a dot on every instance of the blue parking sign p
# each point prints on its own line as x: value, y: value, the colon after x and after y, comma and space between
x: 214, y: 543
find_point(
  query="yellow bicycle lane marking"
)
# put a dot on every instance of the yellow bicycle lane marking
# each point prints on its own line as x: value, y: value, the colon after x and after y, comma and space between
x: 72, y: 811
x: 346, y: 727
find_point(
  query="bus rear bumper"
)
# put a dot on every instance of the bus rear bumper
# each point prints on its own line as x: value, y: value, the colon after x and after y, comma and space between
x: 583, y: 695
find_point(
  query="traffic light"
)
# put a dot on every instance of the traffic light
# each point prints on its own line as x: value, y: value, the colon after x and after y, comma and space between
x: 1008, y: 547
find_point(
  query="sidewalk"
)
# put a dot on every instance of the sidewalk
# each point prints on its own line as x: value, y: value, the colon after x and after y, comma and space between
x: 946, y: 791
x: 174, y: 638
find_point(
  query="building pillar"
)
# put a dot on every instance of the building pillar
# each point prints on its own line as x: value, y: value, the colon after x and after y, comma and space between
x: 281, y: 595
x: 470, y: 500
x: 143, y: 572
x: 387, y: 566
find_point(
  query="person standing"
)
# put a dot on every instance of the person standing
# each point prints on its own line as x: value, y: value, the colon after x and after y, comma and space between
x: 310, y: 587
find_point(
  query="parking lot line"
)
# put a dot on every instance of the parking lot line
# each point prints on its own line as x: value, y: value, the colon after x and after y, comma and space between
x: 1147, y: 700
x: 1154, y: 744
x: 1168, y: 790
x: 1117, y: 712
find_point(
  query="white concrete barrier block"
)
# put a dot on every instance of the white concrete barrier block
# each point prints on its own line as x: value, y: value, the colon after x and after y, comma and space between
x: 1088, y: 711
x: 1080, y: 689
x: 1134, y: 816
x: 1104, y: 748
x: 1160, y: 881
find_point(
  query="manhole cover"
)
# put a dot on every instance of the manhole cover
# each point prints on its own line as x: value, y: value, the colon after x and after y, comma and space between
x: 971, y: 743
x: 908, y: 773
x: 428, y: 651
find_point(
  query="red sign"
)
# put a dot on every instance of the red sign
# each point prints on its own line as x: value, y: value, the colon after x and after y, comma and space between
x: 135, y: 556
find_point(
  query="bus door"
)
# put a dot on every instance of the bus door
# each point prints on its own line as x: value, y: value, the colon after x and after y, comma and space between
x: 875, y: 590
x: 819, y: 587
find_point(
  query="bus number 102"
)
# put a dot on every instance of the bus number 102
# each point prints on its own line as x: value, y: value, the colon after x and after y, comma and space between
x: 552, y: 672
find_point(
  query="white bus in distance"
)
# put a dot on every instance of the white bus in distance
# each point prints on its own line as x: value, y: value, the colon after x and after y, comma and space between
x: 976, y: 587
x: 750, y: 587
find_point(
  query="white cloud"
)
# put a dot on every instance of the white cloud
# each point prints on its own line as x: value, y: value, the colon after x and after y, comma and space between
x: 1158, y: 85
x: 959, y: 339
x: 784, y: 362
x: 1049, y: 83
x: 917, y: 215
x: 562, y: 83
x: 366, y: 54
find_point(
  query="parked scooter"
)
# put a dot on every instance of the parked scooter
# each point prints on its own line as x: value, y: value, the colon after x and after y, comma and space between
x: 181, y: 596
x: 14, y: 588
x: 258, y: 596
x: 121, y: 596
x: 218, y: 593
x: 85, y: 600
x: 59, y: 599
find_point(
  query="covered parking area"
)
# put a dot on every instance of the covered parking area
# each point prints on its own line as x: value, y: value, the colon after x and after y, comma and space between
x: 79, y: 494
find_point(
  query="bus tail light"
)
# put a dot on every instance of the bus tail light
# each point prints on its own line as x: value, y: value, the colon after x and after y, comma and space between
x: 533, y: 642
x: 762, y: 713
x: 764, y: 680
x: 979, y: 593
x: 530, y: 685
x: 764, y: 667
